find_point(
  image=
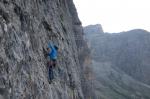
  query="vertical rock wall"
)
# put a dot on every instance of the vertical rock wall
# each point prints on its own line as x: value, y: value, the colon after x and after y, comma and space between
x: 26, y: 27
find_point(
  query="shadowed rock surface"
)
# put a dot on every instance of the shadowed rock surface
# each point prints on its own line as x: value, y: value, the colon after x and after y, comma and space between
x: 26, y: 26
x: 121, y: 63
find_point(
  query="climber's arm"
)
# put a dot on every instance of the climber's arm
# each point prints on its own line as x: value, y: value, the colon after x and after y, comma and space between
x: 51, y: 46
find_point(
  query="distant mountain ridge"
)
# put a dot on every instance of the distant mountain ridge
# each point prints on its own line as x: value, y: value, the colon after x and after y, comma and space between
x: 122, y: 61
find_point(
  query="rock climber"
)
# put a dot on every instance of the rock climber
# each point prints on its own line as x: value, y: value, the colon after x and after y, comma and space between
x: 52, y: 54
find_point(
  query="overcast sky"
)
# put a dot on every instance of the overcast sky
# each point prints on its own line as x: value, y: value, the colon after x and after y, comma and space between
x: 115, y: 15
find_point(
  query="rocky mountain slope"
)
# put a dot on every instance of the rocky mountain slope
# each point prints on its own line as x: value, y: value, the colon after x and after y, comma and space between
x: 121, y: 64
x: 26, y: 27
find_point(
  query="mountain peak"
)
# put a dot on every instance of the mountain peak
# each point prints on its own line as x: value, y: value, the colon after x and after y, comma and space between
x: 93, y: 29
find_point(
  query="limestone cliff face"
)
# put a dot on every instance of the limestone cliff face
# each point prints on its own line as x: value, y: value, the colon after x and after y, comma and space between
x: 26, y: 26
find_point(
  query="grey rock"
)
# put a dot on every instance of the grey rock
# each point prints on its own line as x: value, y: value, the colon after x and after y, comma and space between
x: 26, y: 27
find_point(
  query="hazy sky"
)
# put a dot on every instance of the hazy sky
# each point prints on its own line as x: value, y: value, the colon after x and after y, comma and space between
x: 115, y: 15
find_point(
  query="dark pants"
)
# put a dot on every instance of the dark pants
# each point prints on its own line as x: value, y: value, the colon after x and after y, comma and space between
x: 51, y: 66
x: 51, y: 74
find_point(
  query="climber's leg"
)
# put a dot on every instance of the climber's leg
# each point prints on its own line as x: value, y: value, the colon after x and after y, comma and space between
x: 51, y: 75
x: 54, y: 62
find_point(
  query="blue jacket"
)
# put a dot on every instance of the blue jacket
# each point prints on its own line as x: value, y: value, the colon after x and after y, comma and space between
x: 53, y: 53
